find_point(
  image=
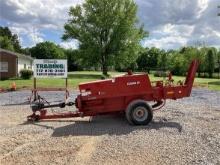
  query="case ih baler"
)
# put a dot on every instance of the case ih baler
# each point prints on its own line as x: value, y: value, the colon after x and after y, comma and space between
x: 129, y: 94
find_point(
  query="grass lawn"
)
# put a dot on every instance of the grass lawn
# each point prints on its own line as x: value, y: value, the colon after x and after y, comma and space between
x: 85, y: 76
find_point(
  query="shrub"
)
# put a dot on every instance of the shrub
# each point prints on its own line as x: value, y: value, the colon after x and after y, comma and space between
x: 26, y: 74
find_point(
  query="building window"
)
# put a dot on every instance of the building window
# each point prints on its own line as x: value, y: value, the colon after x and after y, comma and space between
x: 3, y: 66
x: 25, y: 66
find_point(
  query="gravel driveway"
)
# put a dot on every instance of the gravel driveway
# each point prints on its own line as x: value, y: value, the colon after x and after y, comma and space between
x: 185, y: 131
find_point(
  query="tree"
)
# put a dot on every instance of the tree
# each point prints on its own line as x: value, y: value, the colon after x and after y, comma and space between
x: 74, y: 62
x: 26, y: 51
x: 47, y: 50
x: 210, y: 63
x: 107, y: 31
x: 9, y: 38
x: 148, y: 59
x: 5, y: 43
x: 176, y: 63
x: 162, y: 60
x: 218, y: 62
x: 201, y: 56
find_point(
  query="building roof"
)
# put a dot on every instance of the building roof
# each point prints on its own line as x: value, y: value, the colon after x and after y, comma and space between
x: 17, y: 54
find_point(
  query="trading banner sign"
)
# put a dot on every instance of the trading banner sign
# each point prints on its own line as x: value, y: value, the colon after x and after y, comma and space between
x: 50, y: 68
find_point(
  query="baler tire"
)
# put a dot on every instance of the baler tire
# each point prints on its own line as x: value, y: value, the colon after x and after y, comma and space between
x: 128, y: 117
x: 144, y: 107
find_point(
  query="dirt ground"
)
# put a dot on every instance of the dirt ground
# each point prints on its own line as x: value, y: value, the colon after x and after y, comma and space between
x: 185, y: 131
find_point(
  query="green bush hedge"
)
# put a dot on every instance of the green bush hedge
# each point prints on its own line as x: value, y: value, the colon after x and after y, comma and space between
x: 26, y: 74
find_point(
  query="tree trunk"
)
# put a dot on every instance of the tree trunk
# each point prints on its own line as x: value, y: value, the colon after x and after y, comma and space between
x: 104, y: 65
x: 210, y: 74
x: 219, y: 71
x: 105, y: 70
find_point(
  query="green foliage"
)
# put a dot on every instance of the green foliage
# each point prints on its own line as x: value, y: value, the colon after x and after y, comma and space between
x: 5, y: 43
x: 177, y: 61
x: 47, y: 50
x: 107, y: 32
x: 26, y: 51
x: 201, y: 56
x: 218, y: 63
x: 177, y: 64
x: 8, y: 40
x: 74, y: 61
x: 210, y: 63
x: 26, y: 74
x: 148, y: 59
x: 162, y: 60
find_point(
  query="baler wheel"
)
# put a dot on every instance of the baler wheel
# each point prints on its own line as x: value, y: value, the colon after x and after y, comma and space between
x: 139, y: 112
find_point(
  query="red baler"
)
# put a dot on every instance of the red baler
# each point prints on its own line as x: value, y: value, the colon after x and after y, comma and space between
x: 127, y: 94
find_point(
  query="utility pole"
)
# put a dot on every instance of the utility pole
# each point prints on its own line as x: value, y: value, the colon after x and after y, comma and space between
x: 219, y: 8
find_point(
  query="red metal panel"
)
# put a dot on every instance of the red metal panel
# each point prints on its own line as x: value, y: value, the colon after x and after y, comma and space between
x: 111, y: 95
x: 119, y: 86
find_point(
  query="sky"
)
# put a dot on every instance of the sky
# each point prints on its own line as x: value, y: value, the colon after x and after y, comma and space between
x: 171, y: 23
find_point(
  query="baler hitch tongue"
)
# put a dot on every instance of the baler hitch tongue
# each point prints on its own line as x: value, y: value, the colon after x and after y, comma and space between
x: 39, y: 106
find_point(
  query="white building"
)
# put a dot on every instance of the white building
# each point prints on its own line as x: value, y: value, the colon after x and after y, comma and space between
x: 24, y: 62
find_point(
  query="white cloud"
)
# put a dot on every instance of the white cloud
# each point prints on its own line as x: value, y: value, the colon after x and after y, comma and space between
x: 171, y: 24
x: 33, y: 35
x: 174, y: 30
x: 38, y: 13
x: 202, y: 5
x: 180, y: 22
x: 30, y: 17
x: 35, y: 38
x: 169, y: 36
x: 70, y: 44
x: 168, y: 42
